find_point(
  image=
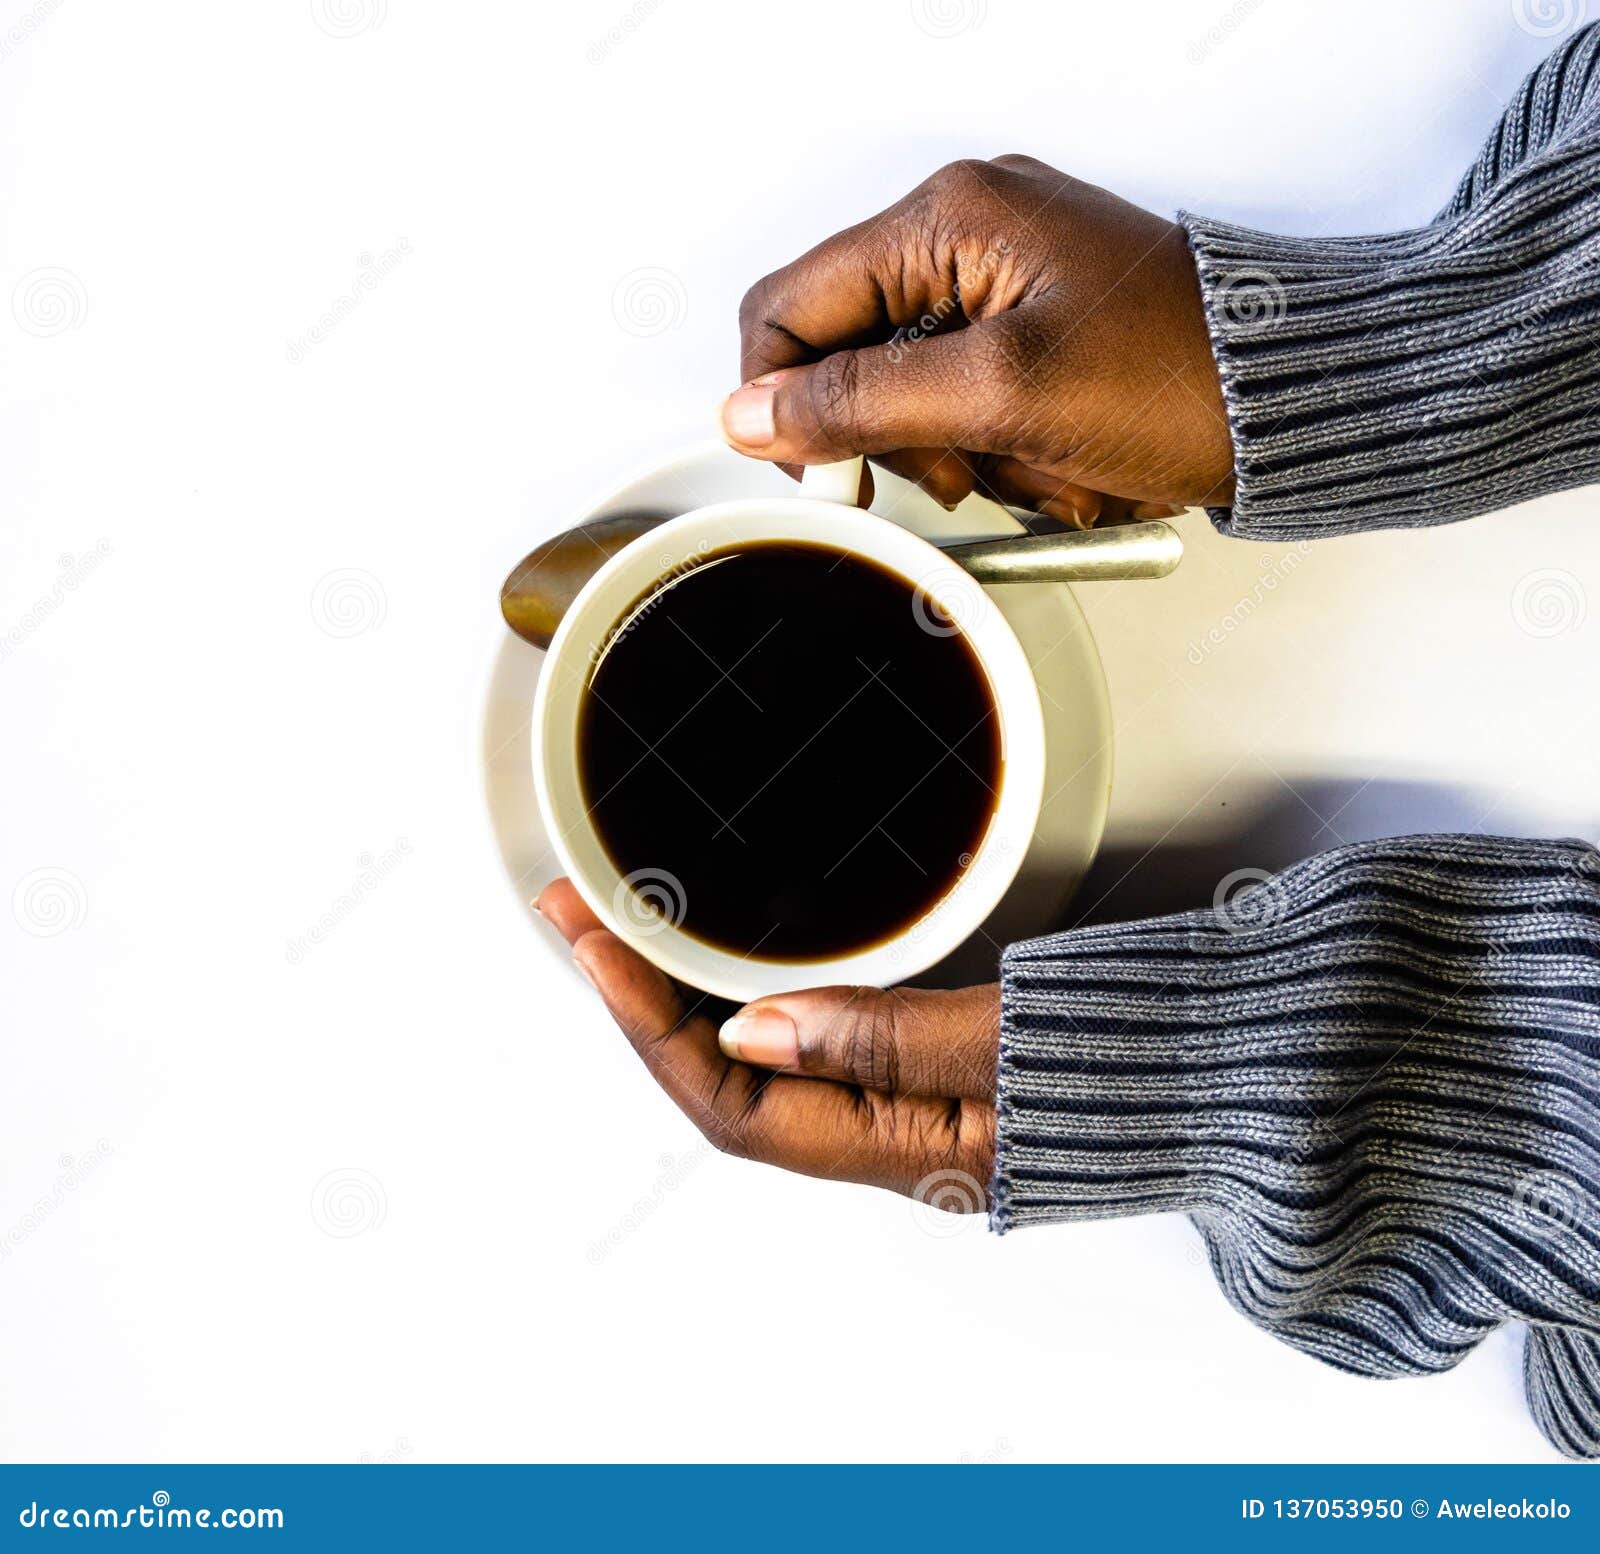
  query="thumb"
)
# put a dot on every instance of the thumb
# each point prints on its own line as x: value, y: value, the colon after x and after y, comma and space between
x: 948, y: 391
x: 906, y: 1041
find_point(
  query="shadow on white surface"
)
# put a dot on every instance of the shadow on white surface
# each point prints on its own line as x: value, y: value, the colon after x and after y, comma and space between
x: 1296, y: 819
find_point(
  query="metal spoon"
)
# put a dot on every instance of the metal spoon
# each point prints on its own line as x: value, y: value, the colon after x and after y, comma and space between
x: 539, y: 588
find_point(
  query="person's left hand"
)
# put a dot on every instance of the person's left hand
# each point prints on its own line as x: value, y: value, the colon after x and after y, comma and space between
x: 892, y: 1088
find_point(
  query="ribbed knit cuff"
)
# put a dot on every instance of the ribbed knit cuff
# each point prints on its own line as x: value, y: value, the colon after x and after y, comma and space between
x: 1425, y: 376
x: 1120, y: 1092
x: 1373, y: 1080
x: 1413, y: 379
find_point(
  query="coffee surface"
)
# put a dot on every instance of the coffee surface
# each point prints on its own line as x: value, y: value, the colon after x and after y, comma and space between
x: 789, y: 752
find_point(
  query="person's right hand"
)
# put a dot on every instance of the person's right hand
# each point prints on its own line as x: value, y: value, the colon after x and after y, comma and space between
x: 1058, y: 356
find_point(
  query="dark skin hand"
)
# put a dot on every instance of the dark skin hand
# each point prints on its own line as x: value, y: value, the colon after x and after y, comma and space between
x: 1059, y: 359
x: 888, y: 1088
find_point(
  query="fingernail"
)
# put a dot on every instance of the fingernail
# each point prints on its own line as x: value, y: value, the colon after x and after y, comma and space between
x: 588, y: 976
x: 1068, y: 513
x: 762, y: 1036
x: 747, y: 417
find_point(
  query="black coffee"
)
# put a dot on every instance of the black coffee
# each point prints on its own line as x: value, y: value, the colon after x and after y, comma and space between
x: 789, y: 752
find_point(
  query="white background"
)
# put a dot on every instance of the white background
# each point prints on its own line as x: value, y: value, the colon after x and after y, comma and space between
x: 197, y: 759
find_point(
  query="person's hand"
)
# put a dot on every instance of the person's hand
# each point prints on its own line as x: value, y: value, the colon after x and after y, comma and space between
x: 1056, y: 353
x: 894, y: 1089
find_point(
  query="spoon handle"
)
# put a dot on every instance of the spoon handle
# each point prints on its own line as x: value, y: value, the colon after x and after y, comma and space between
x: 1089, y: 556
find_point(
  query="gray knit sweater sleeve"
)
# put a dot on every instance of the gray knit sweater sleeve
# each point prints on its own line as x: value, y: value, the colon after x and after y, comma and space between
x: 1373, y: 1082
x: 1424, y: 376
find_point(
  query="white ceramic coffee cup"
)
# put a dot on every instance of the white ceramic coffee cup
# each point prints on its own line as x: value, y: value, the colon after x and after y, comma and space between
x: 647, y: 909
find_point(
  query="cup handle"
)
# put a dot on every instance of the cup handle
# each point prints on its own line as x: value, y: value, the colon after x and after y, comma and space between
x: 839, y: 482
